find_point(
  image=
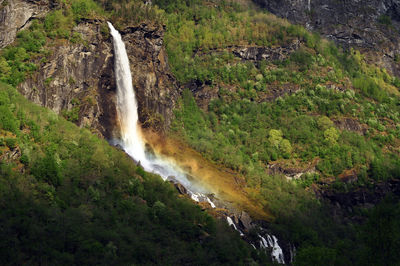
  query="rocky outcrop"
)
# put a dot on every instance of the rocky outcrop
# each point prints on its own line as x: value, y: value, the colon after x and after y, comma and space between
x: 351, y: 124
x: 291, y: 172
x: 370, y: 25
x: 77, y: 79
x: 345, y: 203
x: 156, y: 89
x: 256, y: 53
x: 16, y: 14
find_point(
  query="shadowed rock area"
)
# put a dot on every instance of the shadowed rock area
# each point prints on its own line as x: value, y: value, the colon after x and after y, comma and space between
x: 370, y: 25
x: 77, y: 79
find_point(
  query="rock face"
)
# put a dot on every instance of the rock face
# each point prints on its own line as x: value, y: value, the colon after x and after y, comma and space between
x: 266, y: 53
x: 16, y: 14
x: 345, y: 203
x: 156, y: 88
x: 371, y: 24
x: 78, y: 79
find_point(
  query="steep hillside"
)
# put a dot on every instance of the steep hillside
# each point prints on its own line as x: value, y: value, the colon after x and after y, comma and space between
x: 372, y: 26
x: 312, y: 128
x: 69, y: 198
x: 307, y: 131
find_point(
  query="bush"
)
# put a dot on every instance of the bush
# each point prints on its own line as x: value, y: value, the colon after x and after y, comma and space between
x: 302, y: 58
x: 24, y: 159
x: 385, y: 20
x: 11, y: 143
x: 84, y: 9
x: 369, y: 88
x: 47, y: 169
x: 7, y: 120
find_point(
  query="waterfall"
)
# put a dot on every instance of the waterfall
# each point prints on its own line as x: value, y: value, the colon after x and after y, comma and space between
x: 131, y: 139
x: 133, y: 144
x: 131, y: 135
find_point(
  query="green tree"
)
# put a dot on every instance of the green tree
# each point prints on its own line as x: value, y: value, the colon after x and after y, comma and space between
x: 285, y: 147
x: 275, y: 137
x: 324, y: 123
x: 331, y: 135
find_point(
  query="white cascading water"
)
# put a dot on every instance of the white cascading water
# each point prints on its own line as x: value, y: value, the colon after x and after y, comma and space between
x: 133, y: 144
x: 131, y: 137
x: 126, y: 102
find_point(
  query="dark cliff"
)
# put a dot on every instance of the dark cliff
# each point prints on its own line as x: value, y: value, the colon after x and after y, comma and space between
x: 76, y: 78
x: 371, y: 25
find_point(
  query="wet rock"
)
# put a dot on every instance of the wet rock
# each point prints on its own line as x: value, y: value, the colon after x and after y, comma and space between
x: 155, y: 87
x: 245, y: 221
x: 181, y: 189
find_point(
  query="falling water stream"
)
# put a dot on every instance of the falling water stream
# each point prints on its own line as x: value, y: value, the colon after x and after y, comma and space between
x: 132, y: 142
x: 131, y: 135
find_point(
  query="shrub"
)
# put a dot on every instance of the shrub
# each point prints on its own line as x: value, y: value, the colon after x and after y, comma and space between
x: 24, y: 159
x: 7, y: 120
x: 11, y: 143
x: 331, y: 135
x: 47, y: 169
x: 385, y: 20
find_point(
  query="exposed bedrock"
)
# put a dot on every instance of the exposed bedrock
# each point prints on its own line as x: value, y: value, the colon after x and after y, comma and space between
x: 370, y: 25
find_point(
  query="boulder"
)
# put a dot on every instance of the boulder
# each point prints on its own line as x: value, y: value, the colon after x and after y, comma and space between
x: 245, y: 221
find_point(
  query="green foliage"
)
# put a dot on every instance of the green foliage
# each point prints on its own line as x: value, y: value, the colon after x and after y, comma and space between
x: 24, y: 159
x: 385, y: 20
x: 315, y: 256
x: 73, y: 114
x: 324, y: 123
x: 11, y: 143
x: 84, y: 9
x: 88, y: 203
x: 369, y: 88
x: 47, y: 169
x: 275, y: 137
x: 302, y: 58
x: 331, y: 135
x: 381, y: 234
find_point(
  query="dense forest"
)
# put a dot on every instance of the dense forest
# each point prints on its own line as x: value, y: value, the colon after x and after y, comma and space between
x: 68, y: 197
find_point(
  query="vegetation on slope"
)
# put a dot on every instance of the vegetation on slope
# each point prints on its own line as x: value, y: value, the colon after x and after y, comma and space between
x: 247, y: 132
x: 68, y: 197
x: 85, y: 203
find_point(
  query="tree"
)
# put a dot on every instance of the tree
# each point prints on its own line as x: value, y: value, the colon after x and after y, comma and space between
x: 324, y: 123
x: 331, y: 135
x: 275, y: 137
x: 285, y: 148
